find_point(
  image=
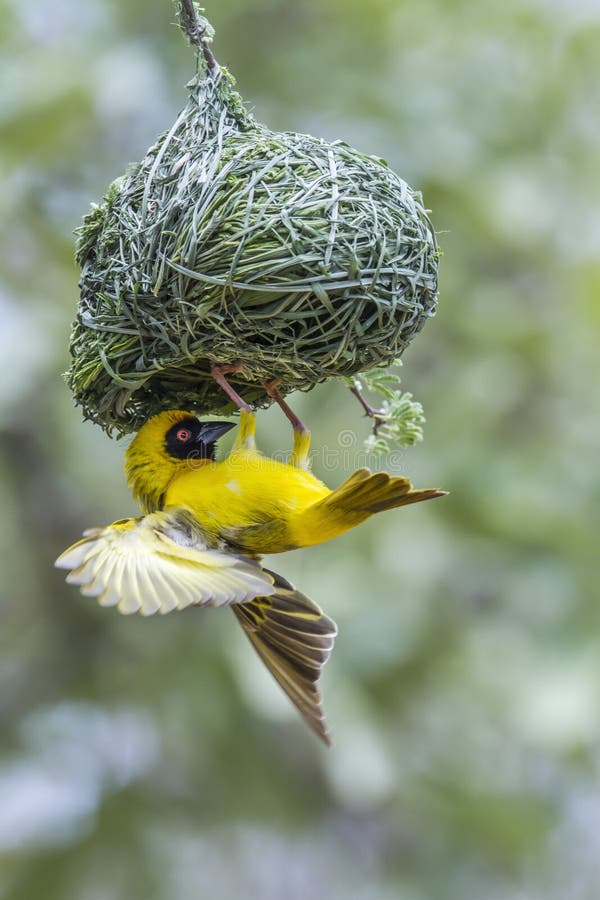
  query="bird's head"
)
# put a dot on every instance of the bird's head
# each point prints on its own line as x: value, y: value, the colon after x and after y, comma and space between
x: 168, y: 443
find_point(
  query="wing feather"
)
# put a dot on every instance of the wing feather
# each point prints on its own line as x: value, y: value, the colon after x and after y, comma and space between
x: 160, y: 562
x: 138, y: 565
x: 294, y: 639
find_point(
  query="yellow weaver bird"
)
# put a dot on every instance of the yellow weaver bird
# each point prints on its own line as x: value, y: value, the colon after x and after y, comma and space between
x: 206, y: 524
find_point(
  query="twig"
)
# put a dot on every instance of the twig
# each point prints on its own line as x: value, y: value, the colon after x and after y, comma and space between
x: 188, y: 17
x: 375, y: 414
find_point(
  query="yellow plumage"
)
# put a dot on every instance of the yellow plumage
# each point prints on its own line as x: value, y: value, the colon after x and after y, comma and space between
x: 258, y: 504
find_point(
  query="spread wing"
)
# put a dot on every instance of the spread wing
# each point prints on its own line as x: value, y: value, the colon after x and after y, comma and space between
x: 294, y: 639
x: 157, y: 564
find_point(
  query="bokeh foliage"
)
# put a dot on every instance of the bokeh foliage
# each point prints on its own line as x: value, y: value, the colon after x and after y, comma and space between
x: 153, y: 759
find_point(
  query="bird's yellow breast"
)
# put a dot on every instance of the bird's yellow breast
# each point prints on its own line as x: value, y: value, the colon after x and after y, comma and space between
x: 245, y: 490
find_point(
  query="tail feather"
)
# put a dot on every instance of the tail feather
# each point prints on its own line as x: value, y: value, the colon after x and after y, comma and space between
x: 368, y: 493
x: 360, y: 496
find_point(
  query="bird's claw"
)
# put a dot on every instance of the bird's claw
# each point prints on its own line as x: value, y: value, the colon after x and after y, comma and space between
x: 271, y: 386
x: 227, y: 368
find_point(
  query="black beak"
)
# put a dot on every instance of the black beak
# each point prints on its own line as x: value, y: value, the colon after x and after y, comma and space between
x: 212, y: 431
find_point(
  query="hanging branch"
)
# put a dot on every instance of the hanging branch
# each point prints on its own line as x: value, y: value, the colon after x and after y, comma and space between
x: 190, y: 22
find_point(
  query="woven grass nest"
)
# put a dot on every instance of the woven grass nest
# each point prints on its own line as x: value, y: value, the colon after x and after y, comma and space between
x: 302, y: 258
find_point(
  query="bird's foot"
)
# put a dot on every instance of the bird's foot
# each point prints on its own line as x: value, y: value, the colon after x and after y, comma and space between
x: 271, y: 387
x: 227, y: 368
x: 218, y: 372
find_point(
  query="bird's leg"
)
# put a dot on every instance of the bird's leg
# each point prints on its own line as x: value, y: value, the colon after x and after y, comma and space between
x: 219, y: 372
x: 244, y: 438
x: 299, y: 455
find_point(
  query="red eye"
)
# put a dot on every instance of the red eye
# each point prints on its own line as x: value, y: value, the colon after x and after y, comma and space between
x: 183, y: 435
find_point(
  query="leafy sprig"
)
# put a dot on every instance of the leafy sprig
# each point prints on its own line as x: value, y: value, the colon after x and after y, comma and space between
x: 398, y: 419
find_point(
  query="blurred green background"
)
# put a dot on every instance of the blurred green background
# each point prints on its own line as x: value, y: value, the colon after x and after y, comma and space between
x: 154, y: 759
